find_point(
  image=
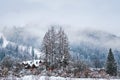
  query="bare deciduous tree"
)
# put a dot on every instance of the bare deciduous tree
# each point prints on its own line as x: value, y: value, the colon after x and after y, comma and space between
x: 55, y: 46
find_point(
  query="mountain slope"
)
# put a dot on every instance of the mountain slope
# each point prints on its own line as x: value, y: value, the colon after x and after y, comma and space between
x: 17, y: 51
x: 92, y: 45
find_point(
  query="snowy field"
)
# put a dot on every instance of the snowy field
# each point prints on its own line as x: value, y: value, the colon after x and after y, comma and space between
x: 50, y: 78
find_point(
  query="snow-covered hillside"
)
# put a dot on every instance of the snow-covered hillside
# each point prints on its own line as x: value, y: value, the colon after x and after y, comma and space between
x: 3, y: 40
x: 12, y: 48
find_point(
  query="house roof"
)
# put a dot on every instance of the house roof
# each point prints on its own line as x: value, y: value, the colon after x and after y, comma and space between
x: 31, y: 62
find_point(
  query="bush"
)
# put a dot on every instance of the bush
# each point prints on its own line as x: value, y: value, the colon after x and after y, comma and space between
x: 7, y: 62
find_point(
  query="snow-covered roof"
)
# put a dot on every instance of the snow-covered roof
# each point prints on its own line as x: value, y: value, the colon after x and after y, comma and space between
x: 35, y: 62
x: 94, y: 69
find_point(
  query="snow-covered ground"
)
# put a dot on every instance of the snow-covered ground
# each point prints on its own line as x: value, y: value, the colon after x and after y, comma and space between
x: 32, y: 77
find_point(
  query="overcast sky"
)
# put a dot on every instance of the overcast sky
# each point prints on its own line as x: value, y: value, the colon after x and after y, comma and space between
x: 76, y: 14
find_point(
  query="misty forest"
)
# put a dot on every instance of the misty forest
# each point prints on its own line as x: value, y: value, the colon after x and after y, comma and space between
x: 23, y: 54
x: 59, y: 39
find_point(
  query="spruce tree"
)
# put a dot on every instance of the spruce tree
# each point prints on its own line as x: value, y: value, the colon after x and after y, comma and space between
x: 33, y: 54
x: 111, y: 66
x: 1, y: 41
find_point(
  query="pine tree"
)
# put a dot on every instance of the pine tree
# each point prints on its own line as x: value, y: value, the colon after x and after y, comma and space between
x: 33, y: 53
x: 1, y: 41
x: 111, y: 66
x: 2, y: 53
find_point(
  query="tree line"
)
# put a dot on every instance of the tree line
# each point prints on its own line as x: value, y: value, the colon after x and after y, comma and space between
x: 56, y: 47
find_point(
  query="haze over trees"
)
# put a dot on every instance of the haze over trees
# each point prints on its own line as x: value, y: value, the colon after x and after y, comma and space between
x: 57, y: 56
x: 21, y: 36
x: 56, y: 47
x: 25, y: 36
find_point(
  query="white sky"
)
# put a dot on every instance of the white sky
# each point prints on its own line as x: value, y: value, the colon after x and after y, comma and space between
x: 98, y: 14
